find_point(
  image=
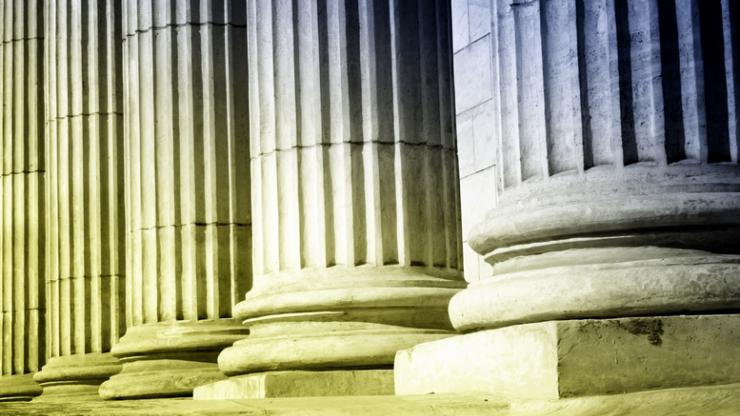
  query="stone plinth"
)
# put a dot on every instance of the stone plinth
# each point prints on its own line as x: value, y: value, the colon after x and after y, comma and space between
x: 558, y: 359
x: 299, y: 384
x: 22, y: 176
x: 617, y: 196
x: 83, y: 197
x: 75, y: 377
x: 354, y: 193
x: 19, y: 388
x: 188, y: 229
x: 172, y: 358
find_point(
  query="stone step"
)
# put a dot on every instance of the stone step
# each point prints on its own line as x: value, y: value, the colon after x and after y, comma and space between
x: 717, y: 401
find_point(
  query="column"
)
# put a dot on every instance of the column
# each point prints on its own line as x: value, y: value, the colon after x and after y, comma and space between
x: 83, y: 197
x: 354, y: 195
x: 615, y: 239
x: 21, y: 192
x: 187, y: 193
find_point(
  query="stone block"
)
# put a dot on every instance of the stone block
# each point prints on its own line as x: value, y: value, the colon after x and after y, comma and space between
x: 479, y: 18
x: 471, y: 264
x: 575, y: 358
x: 477, y: 196
x: 460, y: 31
x: 465, y: 144
x: 473, y: 75
x: 299, y: 384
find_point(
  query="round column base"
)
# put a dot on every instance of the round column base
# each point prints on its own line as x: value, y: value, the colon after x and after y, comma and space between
x: 75, y: 377
x: 322, y: 346
x: 340, y: 318
x: 162, y: 376
x: 170, y: 359
x: 600, y: 283
x: 18, y: 388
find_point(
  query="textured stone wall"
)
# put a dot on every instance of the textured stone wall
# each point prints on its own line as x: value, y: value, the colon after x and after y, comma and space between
x: 475, y: 110
x: 22, y: 261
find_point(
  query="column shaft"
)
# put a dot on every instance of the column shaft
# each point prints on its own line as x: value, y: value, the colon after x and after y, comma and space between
x: 354, y: 188
x: 187, y: 192
x: 618, y: 198
x: 631, y: 143
x: 84, y: 189
x: 21, y: 194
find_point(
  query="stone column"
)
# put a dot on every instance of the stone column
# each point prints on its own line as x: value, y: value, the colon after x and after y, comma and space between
x: 354, y: 195
x: 615, y: 237
x: 21, y: 193
x: 84, y: 197
x: 186, y: 157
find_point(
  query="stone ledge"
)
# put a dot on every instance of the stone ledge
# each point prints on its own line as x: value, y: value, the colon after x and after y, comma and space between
x: 557, y: 359
x: 299, y: 384
x: 699, y: 401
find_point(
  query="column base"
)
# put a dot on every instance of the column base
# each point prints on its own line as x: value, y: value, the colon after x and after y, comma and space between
x: 299, y: 384
x: 170, y: 359
x: 18, y: 388
x: 75, y: 377
x: 166, y: 376
x: 559, y: 359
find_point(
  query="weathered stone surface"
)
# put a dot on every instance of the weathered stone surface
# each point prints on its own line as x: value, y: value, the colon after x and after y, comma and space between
x: 556, y: 359
x: 299, y: 384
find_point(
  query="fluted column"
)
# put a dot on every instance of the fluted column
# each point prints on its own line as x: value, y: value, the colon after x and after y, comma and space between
x: 618, y: 195
x: 186, y: 157
x: 354, y: 194
x: 21, y: 192
x: 83, y: 195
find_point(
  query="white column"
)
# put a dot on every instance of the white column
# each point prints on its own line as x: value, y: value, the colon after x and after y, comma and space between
x: 21, y: 195
x: 618, y: 203
x: 83, y: 196
x: 354, y: 194
x: 187, y: 193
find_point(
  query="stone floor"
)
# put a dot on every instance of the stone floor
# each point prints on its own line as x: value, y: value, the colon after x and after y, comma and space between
x: 715, y: 401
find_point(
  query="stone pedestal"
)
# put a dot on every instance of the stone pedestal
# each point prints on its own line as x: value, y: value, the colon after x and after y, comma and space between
x: 19, y: 388
x: 83, y: 197
x: 187, y: 193
x: 354, y: 192
x: 75, y: 377
x: 298, y: 383
x: 22, y: 174
x: 572, y: 358
x: 171, y: 357
x: 618, y: 195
